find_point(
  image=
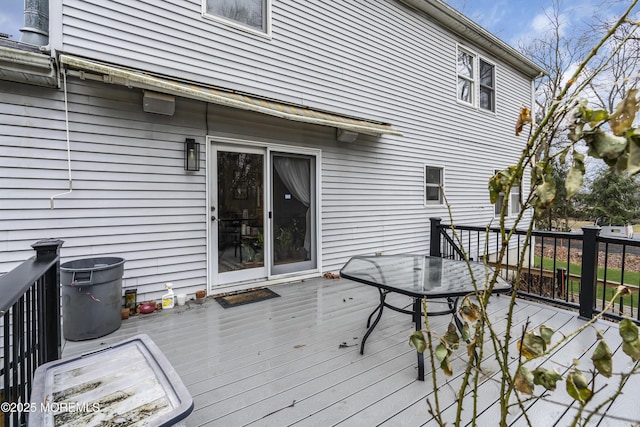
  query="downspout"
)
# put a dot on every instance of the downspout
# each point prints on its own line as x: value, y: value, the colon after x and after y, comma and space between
x: 66, y: 120
x: 36, y: 22
x: 534, y: 112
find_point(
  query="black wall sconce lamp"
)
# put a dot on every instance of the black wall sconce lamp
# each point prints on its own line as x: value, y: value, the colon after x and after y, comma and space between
x: 191, y: 155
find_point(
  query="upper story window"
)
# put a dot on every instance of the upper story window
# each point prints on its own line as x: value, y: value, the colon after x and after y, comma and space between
x: 253, y: 15
x: 476, y: 81
x: 487, y: 86
x: 433, y: 183
x: 466, y: 77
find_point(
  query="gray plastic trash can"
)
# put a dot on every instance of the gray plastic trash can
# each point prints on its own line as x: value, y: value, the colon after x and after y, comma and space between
x: 91, y: 297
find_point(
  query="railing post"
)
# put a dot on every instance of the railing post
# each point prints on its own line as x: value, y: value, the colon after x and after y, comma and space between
x: 52, y: 336
x: 589, y: 272
x: 434, y: 237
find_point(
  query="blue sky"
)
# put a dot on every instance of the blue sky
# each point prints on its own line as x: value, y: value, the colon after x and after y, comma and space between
x: 514, y: 21
x: 510, y: 20
x: 11, y: 17
x: 504, y: 18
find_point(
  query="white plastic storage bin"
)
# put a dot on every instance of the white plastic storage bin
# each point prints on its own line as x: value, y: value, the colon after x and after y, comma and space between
x: 130, y: 383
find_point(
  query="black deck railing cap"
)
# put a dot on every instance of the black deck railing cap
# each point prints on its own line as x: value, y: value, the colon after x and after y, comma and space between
x: 47, y: 247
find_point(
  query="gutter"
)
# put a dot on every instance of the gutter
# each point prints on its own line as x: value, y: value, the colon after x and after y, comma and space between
x: 459, y: 24
x: 27, y: 67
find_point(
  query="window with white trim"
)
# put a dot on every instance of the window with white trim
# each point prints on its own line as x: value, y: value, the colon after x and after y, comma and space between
x: 433, y: 183
x: 513, y: 201
x: 476, y: 80
x: 250, y: 14
x: 487, y: 86
x: 466, y: 77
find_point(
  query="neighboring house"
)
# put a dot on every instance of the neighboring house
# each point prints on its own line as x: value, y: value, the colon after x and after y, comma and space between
x: 314, y: 131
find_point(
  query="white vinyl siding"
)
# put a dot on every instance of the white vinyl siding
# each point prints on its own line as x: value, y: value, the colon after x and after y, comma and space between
x: 131, y: 196
x: 311, y: 62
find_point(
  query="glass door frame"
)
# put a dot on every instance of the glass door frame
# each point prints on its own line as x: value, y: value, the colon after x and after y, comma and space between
x: 293, y: 268
x: 215, y: 144
x: 213, y: 203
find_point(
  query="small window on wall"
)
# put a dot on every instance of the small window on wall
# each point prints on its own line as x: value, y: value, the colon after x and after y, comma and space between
x: 513, y: 201
x: 253, y: 15
x: 433, y: 183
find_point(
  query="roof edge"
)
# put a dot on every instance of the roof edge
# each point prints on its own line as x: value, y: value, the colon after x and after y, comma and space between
x: 458, y: 23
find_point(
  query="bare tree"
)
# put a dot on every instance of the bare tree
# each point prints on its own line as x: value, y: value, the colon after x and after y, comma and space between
x: 557, y: 52
x: 605, y: 82
x: 621, y: 73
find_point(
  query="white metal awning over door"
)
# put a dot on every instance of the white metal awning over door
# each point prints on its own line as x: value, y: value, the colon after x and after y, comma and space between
x: 118, y: 75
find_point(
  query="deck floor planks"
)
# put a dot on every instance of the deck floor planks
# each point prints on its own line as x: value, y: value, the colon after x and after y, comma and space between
x: 295, y: 345
x: 624, y: 410
x: 246, y: 365
x: 417, y: 414
x: 564, y: 323
x: 300, y: 370
x: 489, y: 365
x: 312, y: 371
x: 327, y: 389
x: 344, y: 398
x: 580, y: 347
x: 386, y: 405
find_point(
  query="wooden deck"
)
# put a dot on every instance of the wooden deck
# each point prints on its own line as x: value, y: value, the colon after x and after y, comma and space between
x: 295, y: 360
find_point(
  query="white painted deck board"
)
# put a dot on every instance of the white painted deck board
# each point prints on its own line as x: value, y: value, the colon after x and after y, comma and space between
x: 247, y: 365
x: 562, y: 323
x: 417, y: 413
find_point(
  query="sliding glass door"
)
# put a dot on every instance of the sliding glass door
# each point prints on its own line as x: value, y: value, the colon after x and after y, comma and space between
x: 263, y: 212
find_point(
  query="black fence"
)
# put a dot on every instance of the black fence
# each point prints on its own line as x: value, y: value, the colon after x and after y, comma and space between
x: 29, y: 326
x: 576, y: 270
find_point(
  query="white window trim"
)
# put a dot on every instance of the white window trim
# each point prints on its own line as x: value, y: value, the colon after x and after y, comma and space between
x: 475, y: 104
x: 432, y: 203
x: 474, y: 82
x: 240, y: 26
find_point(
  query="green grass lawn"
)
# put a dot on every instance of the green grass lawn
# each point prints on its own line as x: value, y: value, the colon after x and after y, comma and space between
x: 613, y: 275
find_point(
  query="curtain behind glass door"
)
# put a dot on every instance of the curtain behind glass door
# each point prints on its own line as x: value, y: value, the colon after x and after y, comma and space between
x: 292, y: 204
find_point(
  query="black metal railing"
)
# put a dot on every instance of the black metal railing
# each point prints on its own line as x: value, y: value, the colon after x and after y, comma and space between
x: 29, y: 326
x: 577, y: 270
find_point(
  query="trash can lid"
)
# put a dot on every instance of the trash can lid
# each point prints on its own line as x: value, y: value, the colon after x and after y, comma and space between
x: 92, y: 264
x: 123, y: 383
